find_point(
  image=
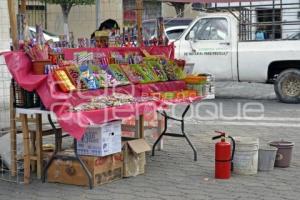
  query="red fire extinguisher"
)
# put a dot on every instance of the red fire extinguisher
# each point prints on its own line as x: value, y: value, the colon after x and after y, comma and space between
x: 223, y: 156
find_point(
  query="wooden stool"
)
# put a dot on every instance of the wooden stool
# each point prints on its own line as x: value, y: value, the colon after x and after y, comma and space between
x: 34, y: 154
x: 36, y: 145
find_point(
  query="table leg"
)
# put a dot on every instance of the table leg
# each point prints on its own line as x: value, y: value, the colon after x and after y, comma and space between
x: 13, y: 135
x: 160, y: 128
x: 137, y: 127
x: 39, y: 145
x: 182, y: 134
x: 141, y: 127
x: 26, y: 143
x: 56, y: 150
x: 83, y: 165
x: 33, y: 163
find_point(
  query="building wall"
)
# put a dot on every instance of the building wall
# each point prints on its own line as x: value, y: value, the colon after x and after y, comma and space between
x: 82, y: 20
x: 4, y: 26
x: 4, y: 74
x: 111, y: 9
x: 288, y: 15
x: 169, y: 11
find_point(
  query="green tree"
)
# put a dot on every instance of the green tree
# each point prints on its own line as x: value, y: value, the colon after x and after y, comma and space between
x: 66, y: 6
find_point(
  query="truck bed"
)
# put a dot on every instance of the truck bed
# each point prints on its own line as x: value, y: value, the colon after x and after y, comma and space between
x: 254, y: 57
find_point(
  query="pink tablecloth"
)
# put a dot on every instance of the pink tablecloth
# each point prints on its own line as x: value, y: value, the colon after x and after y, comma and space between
x: 167, y: 51
x: 20, y: 67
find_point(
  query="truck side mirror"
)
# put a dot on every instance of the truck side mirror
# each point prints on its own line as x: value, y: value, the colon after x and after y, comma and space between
x: 192, y: 35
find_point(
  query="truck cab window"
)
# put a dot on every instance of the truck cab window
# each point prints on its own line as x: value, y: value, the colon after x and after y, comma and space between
x: 211, y: 29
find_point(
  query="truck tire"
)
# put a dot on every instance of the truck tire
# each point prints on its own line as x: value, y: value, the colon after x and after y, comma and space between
x: 287, y: 86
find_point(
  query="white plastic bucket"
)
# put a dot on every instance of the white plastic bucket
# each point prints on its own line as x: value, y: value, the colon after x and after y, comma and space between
x: 245, y: 161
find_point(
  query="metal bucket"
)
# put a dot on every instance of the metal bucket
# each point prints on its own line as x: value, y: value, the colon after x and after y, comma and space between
x: 266, y: 158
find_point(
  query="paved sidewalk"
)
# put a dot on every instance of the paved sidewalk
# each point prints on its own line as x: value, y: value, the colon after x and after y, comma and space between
x: 172, y: 173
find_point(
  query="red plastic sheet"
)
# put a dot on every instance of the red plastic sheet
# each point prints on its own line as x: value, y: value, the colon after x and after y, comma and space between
x: 55, y: 100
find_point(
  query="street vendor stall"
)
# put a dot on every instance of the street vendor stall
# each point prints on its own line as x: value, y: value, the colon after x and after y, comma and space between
x: 94, y: 86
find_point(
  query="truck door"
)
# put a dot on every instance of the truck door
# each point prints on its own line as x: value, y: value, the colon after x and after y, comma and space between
x: 208, y: 48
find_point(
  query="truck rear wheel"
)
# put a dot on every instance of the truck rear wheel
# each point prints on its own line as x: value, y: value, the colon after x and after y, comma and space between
x: 287, y: 86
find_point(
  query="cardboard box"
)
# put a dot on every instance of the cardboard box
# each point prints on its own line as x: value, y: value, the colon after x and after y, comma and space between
x: 134, y: 156
x: 103, y: 169
x: 101, y: 140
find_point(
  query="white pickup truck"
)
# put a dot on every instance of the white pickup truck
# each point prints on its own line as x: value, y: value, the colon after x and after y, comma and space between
x: 211, y: 44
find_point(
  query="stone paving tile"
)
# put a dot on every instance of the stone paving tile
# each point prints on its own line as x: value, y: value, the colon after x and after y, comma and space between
x: 172, y: 173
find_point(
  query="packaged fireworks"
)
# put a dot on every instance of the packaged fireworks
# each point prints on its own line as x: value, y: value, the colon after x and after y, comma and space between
x: 118, y: 73
x: 83, y: 57
x: 87, y: 76
x: 157, y: 69
x: 133, y: 75
x: 63, y: 80
x: 146, y: 72
x: 74, y: 74
x: 50, y: 68
x: 173, y: 71
x: 99, y: 58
